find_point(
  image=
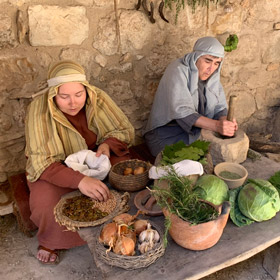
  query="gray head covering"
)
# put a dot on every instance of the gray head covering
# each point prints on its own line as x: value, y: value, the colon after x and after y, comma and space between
x: 208, y: 46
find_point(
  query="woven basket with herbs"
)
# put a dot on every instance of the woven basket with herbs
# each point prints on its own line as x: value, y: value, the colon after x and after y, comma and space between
x: 131, y: 262
x: 75, y: 210
x: 130, y: 175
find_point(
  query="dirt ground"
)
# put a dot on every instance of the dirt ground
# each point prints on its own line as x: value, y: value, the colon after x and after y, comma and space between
x: 18, y: 260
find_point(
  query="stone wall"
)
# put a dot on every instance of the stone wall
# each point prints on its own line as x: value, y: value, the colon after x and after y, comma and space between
x: 34, y: 33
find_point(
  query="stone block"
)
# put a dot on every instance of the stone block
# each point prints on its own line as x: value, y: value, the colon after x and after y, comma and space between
x: 57, y: 26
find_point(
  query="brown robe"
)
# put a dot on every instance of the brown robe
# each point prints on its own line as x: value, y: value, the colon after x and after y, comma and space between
x: 58, y: 180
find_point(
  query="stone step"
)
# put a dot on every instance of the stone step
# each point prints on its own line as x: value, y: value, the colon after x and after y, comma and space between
x: 6, y: 209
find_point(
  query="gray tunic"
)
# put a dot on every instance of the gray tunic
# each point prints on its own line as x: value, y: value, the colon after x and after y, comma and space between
x: 179, y: 101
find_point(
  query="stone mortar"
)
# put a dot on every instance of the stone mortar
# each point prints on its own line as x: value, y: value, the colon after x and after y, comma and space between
x: 231, y: 149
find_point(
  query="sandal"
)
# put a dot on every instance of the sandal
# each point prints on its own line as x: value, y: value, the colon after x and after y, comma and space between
x: 51, y: 252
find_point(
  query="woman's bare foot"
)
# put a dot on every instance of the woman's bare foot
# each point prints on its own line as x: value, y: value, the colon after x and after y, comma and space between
x: 47, y: 256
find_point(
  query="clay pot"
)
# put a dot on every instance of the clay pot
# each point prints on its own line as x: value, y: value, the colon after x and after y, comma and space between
x: 201, y: 236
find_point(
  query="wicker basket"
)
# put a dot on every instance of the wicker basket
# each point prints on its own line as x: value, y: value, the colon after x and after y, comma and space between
x: 131, y: 262
x: 121, y: 207
x: 129, y: 183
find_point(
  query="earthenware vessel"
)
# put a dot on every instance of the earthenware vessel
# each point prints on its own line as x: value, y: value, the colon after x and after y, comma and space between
x: 201, y: 236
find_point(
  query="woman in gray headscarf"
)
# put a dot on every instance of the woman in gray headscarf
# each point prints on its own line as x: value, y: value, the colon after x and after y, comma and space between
x: 189, y: 97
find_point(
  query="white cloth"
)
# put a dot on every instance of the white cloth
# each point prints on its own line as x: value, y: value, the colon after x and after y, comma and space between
x: 67, y: 78
x: 183, y: 168
x: 89, y: 164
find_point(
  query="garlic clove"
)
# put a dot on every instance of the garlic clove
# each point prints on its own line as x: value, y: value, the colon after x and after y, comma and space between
x: 156, y: 236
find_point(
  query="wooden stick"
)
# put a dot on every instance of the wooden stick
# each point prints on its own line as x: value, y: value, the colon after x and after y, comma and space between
x: 231, y: 107
x: 117, y: 25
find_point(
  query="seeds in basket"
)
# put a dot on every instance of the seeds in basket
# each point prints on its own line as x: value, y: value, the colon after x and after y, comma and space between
x: 107, y: 206
x: 84, y: 209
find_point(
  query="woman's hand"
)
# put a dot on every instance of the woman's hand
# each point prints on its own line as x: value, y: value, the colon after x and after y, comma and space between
x: 227, y: 128
x: 103, y: 149
x: 94, y: 188
x: 222, y: 126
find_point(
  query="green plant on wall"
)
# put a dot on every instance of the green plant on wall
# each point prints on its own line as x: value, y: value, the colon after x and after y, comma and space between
x: 180, y: 4
x: 231, y: 43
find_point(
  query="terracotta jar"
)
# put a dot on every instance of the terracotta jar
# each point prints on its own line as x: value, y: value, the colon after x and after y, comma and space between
x: 201, y: 236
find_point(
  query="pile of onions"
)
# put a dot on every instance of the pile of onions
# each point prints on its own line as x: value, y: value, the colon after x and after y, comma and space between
x: 121, y: 235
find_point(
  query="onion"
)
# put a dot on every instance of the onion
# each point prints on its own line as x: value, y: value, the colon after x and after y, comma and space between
x: 139, y: 170
x: 140, y: 225
x: 128, y: 171
x: 125, y: 218
x: 125, y: 230
x: 108, y: 234
x: 124, y: 246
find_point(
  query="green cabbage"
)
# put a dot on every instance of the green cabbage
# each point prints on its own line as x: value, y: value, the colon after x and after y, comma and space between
x: 259, y: 200
x: 211, y: 188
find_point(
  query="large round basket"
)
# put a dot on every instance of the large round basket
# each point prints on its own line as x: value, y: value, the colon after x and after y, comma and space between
x: 63, y: 220
x: 130, y: 183
x: 131, y: 262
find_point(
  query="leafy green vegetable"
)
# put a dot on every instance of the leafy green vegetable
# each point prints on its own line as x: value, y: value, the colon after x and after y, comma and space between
x: 170, y: 150
x: 259, y: 200
x: 203, y: 145
x: 275, y: 181
x: 180, y: 151
x: 211, y: 188
x: 236, y: 216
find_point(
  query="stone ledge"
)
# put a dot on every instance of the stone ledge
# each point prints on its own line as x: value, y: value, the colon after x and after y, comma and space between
x: 6, y: 209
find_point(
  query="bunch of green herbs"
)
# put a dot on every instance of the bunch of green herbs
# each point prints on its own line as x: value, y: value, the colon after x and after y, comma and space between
x: 180, y: 151
x: 180, y: 4
x: 180, y: 200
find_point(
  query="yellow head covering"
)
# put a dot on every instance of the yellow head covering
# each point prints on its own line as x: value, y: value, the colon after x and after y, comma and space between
x: 64, y: 72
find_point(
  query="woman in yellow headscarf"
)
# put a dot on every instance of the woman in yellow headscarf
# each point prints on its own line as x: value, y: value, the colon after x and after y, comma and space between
x: 71, y: 116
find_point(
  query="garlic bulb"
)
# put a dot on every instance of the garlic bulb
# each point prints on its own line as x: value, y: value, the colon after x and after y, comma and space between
x: 145, y: 247
x: 149, y: 235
